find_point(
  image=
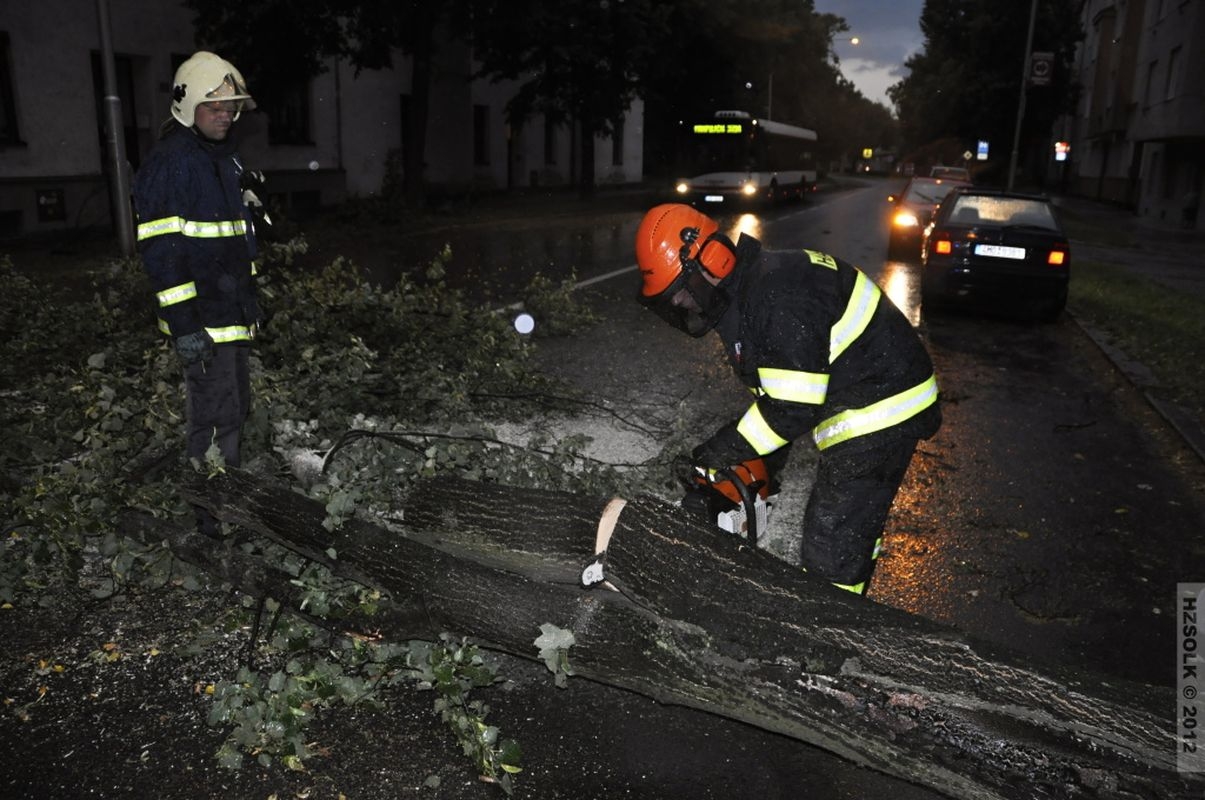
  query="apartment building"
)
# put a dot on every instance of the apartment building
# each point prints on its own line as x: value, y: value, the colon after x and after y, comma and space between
x: 1138, y: 135
x: 337, y: 137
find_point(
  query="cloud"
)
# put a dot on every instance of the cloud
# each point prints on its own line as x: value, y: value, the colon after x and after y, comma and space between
x: 889, y: 32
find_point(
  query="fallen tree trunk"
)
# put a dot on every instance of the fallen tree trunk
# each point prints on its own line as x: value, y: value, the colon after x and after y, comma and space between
x: 698, y: 619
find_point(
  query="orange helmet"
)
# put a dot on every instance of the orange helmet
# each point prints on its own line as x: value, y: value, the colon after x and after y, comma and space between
x: 683, y: 260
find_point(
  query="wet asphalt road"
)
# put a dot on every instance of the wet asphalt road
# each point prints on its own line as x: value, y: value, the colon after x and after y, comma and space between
x: 1054, y: 513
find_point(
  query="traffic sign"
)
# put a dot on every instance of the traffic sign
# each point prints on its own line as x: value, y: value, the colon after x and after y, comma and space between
x: 1041, y: 68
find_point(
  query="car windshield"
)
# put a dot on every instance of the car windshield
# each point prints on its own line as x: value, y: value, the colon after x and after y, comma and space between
x: 928, y: 192
x: 1003, y: 211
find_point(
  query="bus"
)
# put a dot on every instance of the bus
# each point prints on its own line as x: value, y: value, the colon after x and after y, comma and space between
x: 735, y: 158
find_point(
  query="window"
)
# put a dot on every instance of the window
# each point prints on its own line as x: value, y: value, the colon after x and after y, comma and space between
x: 289, y: 115
x: 481, y: 135
x: 549, y: 141
x: 617, y: 144
x: 1173, y: 73
x: 9, y: 133
x: 1150, y: 83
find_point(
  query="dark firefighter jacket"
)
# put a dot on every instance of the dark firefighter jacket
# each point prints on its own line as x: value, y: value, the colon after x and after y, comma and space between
x: 824, y: 353
x: 196, y: 237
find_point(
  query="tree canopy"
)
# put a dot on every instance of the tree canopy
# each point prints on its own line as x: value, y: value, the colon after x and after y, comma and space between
x: 965, y: 82
x: 578, y: 62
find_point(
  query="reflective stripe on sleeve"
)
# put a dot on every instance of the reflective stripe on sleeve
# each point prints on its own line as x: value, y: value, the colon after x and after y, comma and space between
x: 760, y: 436
x: 177, y: 294
x: 861, y: 307
x: 793, y: 386
x: 876, y: 416
x: 196, y: 230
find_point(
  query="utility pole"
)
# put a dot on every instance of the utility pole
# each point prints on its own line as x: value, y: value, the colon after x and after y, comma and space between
x: 119, y: 185
x: 1012, y: 163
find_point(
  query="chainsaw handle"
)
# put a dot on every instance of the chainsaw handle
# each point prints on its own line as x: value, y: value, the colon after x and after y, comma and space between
x: 748, y: 499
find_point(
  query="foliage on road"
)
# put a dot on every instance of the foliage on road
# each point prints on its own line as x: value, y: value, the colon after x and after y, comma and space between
x: 93, y: 401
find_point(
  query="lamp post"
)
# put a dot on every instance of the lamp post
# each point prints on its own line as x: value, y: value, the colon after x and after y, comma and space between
x: 1012, y: 162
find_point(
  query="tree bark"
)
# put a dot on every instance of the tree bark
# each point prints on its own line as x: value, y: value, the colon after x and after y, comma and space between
x: 697, y: 618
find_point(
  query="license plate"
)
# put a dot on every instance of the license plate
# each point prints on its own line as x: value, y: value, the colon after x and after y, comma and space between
x: 1000, y: 251
x: 713, y: 198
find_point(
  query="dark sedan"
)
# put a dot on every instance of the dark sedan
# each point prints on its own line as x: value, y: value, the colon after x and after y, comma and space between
x: 911, y: 211
x: 998, y: 249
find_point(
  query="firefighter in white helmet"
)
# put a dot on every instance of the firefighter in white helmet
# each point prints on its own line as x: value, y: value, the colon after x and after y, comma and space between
x: 197, y: 239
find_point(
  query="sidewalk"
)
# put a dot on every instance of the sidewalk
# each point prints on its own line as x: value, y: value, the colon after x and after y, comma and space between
x: 1160, y: 252
x: 1157, y: 250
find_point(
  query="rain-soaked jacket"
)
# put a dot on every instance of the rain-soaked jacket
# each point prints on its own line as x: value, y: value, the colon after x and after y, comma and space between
x: 196, y: 238
x: 824, y: 353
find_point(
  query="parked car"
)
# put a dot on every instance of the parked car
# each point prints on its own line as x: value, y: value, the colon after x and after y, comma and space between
x: 996, y: 248
x: 911, y: 211
x: 952, y: 173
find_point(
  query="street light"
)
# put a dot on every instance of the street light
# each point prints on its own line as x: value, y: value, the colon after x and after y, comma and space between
x: 853, y: 40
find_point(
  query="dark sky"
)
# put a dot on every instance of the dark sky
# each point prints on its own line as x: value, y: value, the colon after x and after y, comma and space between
x: 889, y: 31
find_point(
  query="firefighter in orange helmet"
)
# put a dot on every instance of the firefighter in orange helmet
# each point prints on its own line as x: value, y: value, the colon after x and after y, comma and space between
x: 829, y: 359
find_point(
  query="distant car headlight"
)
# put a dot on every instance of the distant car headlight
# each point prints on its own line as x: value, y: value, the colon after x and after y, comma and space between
x: 682, y: 188
x: 749, y: 188
x: 905, y: 219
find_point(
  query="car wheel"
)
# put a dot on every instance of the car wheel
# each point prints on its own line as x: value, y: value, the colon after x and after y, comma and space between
x: 893, y: 249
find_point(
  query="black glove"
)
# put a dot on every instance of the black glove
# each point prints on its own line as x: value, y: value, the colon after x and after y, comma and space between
x: 724, y: 449
x: 194, y: 347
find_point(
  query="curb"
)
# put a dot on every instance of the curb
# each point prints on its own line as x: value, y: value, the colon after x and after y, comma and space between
x: 1184, y: 423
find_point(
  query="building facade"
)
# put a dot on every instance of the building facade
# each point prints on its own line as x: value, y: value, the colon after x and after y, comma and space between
x: 1138, y: 135
x: 339, y: 137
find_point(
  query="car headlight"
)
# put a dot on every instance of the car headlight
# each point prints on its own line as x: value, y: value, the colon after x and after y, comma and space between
x: 905, y: 219
x: 682, y: 188
x: 748, y: 189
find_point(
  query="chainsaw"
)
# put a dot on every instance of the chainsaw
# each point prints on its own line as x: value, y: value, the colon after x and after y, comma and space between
x: 737, y: 499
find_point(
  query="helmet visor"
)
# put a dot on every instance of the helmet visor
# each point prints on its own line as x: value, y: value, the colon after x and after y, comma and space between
x: 690, y: 303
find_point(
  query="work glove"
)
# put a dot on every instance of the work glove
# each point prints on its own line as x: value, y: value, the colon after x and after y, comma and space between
x: 194, y: 347
x: 684, y: 471
x: 724, y: 449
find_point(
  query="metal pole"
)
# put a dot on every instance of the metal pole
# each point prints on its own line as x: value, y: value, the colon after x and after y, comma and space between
x: 119, y: 184
x: 1012, y: 163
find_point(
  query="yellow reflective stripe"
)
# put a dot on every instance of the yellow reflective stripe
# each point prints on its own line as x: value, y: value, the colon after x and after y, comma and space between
x: 861, y: 307
x: 196, y: 230
x: 794, y: 386
x: 177, y: 294
x: 876, y: 416
x: 760, y: 436
x: 254, y: 267
x: 157, y: 227
x: 231, y: 333
x: 821, y: 259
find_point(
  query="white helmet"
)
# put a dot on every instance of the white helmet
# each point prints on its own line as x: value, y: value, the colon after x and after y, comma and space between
x: 203, y: 78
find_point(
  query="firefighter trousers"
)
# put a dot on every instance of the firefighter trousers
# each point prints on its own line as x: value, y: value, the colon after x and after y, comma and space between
x: 847, y: 509
x: 217, y: 397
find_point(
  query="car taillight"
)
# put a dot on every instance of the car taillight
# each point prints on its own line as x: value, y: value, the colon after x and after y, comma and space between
x: 1056, y: 258
x: 943, y: 247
